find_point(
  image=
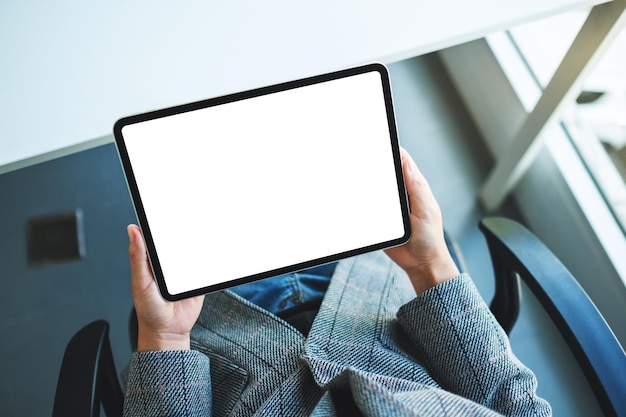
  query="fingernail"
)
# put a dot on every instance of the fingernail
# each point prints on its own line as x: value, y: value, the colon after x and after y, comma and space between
x: 131, y: 234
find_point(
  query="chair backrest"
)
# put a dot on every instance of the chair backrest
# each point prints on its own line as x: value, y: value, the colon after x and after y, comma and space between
x: 88, y: 378
x: 516, y: 253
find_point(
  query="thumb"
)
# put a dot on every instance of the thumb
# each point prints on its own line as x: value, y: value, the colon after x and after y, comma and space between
x: 141, y: 273
x: 421, y: 200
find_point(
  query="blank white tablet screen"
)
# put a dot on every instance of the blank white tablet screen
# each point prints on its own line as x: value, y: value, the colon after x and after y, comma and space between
x: 256, y: 185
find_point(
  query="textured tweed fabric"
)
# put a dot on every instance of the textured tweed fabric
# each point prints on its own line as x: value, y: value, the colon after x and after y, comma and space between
x: 441, y: 353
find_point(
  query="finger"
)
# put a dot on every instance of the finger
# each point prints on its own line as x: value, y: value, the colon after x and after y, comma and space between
x: 141, y: 275
x: 421, y: 199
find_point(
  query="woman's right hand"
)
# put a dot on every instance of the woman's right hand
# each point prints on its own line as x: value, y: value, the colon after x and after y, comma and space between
x: 425, y: 257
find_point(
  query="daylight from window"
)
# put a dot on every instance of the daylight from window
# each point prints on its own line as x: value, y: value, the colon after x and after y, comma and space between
x: 596, y: 121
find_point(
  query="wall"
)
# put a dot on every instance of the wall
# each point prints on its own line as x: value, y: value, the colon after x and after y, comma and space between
x: 41, y: 308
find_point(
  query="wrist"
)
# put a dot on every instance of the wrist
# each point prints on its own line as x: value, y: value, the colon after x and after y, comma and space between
x: 148, y: 341
x: 429, y: 275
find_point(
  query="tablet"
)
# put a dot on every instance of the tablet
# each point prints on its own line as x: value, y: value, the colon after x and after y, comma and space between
x: 268, y: 181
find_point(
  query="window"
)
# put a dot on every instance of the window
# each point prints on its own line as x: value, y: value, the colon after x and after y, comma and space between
x: 594, y: 123
x: 558, y: 195
x: 588, y: 143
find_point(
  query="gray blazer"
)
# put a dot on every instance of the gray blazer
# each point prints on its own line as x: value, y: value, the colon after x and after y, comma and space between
x: 441, y: 353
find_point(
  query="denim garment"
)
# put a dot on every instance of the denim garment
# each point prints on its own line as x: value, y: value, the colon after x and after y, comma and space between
x: 279, y: 293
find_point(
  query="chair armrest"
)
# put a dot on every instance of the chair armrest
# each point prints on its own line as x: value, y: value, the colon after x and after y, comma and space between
x: 516, y: 253
x: 88, y: 377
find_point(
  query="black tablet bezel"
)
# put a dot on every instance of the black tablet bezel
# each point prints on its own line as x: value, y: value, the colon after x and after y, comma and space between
x: 143, y: 220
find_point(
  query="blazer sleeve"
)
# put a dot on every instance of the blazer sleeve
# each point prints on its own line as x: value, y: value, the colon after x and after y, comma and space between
x: 168, y: 383
x: 466, y: 350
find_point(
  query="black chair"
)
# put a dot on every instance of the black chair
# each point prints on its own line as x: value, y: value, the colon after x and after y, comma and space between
x: 516, y: 253
x: 88, y: 378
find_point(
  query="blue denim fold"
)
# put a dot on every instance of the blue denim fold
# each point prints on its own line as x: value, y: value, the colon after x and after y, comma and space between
x: 282, y: 292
